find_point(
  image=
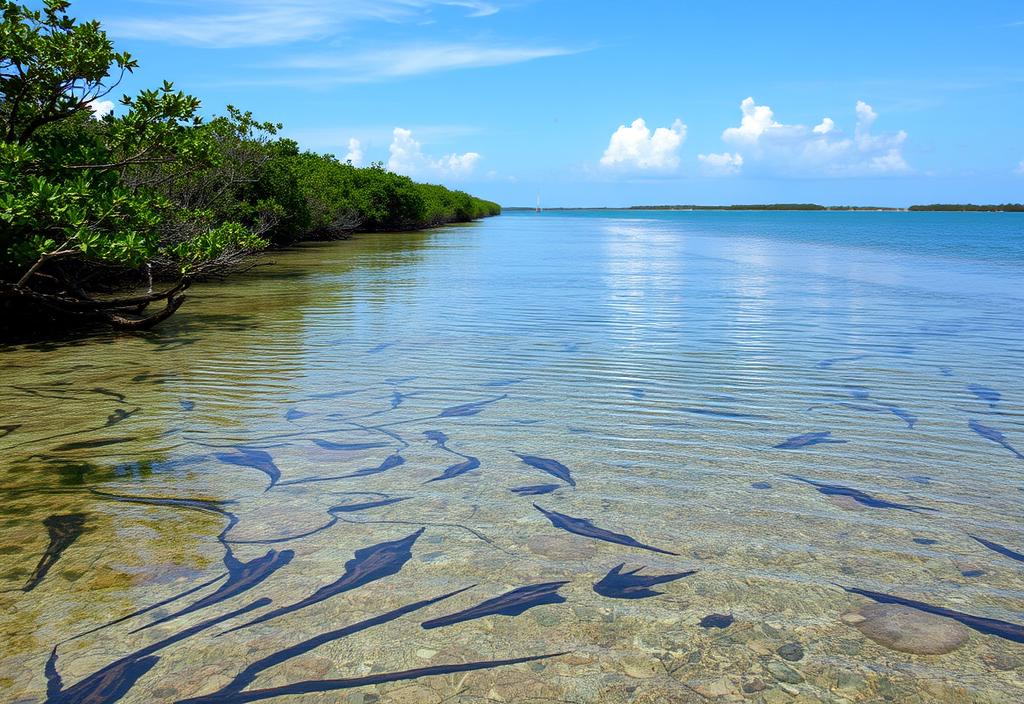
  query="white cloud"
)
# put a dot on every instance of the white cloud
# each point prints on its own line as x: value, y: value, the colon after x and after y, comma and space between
x: 237, y: 23
x: 1020, y: 168
x: 724, y: 164
x: 355, y: 152
x: 327, y: 139
x: 757, y: 119
x: 825, y: 150
x: 866, y: 115
x: 407, y: 158
x: 890, y: 162
x: 101, y: 108
x: 827, y: 125
x: 479, y: 9
x: 396, y: 62
x: 638, y: 148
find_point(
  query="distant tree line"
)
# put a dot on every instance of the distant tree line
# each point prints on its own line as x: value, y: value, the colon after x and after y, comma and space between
x: 946, y: 207
x: 759, y: 206
x: 94, y: 205
x: 970, y: 207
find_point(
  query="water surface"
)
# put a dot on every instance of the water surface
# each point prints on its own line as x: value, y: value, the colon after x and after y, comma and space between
x: 785, y: 403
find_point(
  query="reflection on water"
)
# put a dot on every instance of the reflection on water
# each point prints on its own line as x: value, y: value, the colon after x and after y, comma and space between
x: 619, y: 458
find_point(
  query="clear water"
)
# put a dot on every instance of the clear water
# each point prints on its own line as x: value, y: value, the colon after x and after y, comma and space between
x: 660, y: 357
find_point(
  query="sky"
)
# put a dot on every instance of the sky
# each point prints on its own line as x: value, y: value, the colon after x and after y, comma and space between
x: 588, y: 103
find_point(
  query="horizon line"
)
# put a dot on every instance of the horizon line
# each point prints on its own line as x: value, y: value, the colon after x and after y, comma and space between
x: 948, y: 207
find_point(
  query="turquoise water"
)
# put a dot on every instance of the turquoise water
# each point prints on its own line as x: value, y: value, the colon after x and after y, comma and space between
x: 992, y: 237
x: 682, y: 371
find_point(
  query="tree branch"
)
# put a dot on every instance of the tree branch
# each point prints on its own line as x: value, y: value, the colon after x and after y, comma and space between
x: 42, y: 260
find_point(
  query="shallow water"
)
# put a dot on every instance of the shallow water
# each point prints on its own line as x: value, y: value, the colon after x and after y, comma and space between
x: 658, y: 358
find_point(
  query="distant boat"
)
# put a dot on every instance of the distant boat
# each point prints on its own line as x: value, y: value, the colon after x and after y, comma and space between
x: 538, y: 202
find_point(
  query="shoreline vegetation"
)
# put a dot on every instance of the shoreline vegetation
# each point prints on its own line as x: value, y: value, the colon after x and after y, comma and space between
x: 97, y: 206
x: 935, y: 207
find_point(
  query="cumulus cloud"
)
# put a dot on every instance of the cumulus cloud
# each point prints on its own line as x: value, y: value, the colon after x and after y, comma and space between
x: 636, y: 147
x: 827, y: 125
x: 866, y: 115
x: 757, y: 120
x: 355, y: 152
x: 765, y: 143
x: 724, y: 164
x: 101, y: 108
x: 407, y: 158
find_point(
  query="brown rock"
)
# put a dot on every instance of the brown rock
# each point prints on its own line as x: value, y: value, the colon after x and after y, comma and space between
x: 852, y: 619
x: 718, y: 688
x: 910, y: 630
x: 753, y: 686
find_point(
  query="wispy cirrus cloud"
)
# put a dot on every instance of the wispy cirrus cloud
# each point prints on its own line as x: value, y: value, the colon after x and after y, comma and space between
x: 412, y: 60
x: 477, y: 9
x: 247, y: 23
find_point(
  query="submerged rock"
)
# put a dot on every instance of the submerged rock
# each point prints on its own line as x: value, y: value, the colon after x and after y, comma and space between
x: 640, y: 667
x: 717, y: 621
x: 721, y: 687
x: 784, y: 673
x: 909, y: 630
x: 791, y: 651
x: 754, y: 686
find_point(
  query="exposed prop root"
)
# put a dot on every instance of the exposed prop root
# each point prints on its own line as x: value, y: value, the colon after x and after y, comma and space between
x: 126, y: 313
x: 122, y: 322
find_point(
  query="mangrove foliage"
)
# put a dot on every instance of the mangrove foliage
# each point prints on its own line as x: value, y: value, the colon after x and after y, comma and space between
x: 150, y: 196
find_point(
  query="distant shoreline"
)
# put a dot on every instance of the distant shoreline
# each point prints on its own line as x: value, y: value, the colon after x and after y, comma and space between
x: 810, y: 207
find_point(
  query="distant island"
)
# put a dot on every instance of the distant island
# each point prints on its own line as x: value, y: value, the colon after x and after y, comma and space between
x: 761, y: 206
x: 970, y: 207
x: 935, y: 207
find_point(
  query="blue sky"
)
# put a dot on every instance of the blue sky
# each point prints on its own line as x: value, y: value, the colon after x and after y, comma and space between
x: 880, y: 103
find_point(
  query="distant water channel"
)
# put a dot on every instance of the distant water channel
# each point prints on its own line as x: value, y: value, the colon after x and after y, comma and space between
x: 577, y: 457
